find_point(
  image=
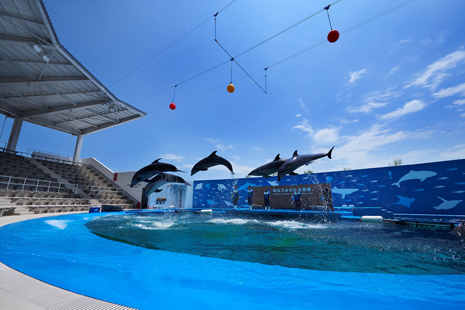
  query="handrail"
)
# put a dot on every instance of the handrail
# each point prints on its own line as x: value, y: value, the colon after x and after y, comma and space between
x: 37, y: 183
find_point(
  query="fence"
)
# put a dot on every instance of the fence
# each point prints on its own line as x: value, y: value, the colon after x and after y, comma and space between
x: 22, y: 184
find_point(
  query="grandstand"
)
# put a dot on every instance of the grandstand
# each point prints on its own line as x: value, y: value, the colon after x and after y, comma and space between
x: 42, y: 83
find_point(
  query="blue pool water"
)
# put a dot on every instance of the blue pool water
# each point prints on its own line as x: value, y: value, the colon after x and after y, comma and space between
x: 63, y: 251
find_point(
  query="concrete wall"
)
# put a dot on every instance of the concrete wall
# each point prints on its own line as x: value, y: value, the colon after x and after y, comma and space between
x: 431, y: 188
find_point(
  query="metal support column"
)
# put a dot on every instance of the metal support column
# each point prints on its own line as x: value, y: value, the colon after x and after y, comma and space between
x: 14, y: 135
x: 77, y: 150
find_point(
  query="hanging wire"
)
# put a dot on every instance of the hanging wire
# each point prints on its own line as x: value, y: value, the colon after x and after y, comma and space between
x: 265, y: 80
x: 244, y: 52
x: 216, y: 14
x: 174, y: 93
x: 176, y: 41
x: 305, y: 50
x: 327, y: 11
x: 232, y: 59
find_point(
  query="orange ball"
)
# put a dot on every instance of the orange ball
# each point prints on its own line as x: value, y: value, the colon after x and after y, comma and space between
x: 231, y: 88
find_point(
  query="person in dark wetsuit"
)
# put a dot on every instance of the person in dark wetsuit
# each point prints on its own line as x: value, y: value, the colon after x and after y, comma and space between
x: 249, y: 197
x: 235, y: 196
x: 266, y: 196
x: 296, y: 199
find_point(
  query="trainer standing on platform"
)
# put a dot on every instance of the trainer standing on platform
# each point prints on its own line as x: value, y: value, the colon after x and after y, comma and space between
x: 296, y: 199
x: 266, y: 196
x: 235, y: 196
x: 249, y: 197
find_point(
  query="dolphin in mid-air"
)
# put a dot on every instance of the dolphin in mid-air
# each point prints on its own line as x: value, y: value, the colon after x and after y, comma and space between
x: 299, y: 160
x: 269, y: 168
x: 160, y: 180
x: 144, y: 174
x: 210, y: 161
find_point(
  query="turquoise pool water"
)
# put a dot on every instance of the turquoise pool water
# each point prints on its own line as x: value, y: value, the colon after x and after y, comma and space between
x: 345, y: 246
x: 63, y: 251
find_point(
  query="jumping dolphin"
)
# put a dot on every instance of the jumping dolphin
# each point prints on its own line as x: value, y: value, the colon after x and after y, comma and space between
x: 269, y: 168
x: 299, y: 160
x: 210, y: 161
x: 162, y: 179
x: 144, y: 174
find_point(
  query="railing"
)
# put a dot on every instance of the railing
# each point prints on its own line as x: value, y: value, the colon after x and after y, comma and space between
x: 50, y: 156
x: 4, y: 144
x: 16, y: 183
x: 96, y: 190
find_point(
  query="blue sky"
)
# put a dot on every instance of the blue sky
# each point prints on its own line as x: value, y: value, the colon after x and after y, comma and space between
x: 393, y: 88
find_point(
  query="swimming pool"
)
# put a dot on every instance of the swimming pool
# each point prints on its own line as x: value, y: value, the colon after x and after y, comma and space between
x: 64, y: 252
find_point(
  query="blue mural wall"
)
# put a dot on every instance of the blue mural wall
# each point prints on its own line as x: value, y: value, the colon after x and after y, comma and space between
x: 431, y: 188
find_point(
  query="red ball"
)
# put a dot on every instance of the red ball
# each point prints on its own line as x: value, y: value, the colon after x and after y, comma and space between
x: 172, y: 106
x: 333, y: 35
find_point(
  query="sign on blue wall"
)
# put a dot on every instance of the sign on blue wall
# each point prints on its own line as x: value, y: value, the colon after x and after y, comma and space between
x: 431, y: 188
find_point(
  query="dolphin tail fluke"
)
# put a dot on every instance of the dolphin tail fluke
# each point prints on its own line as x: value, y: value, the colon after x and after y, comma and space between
x: 158, y: 190
x: 396, y: 184
x: 329, y: 153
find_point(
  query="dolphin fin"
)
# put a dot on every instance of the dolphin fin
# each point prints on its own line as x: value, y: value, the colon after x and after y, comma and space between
x: 180, y: 171
x: 204, y: 169
x: 293, y: 173
x: 155, y: 161
x: 329, y: 153
x: 146, y: 180
x: 442, y: 199
x: 158, y: 190
x: 212, y: 154
x: 276, y: 158
x: 295, y: 154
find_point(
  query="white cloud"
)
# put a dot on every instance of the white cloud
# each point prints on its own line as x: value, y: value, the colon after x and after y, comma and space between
x: 327, y: 135
x: 355, y: 75
x: 450, y: 91
x: 409, y: 107
x: 404, y: 41
x: 462, y: 115
x: 367, y: 108
x: 304, y: 126
x: 394, y: 70
x: 346, y: 121
x: 237, y: 157
x: 455, y: 152
x: 258, y: 149
x: 374, y: 100
x: 435, y: 71
x: 459, y: 102
x: 173, y: 156
x: 302, y: 105
x: 298, y: 115
x: 212, y: 140
x: 223, y: 148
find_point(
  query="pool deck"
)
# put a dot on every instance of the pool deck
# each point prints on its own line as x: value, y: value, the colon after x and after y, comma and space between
x: 21, y: 292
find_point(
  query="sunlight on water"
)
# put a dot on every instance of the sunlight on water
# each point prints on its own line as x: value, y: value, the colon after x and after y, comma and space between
x: 339, y: 246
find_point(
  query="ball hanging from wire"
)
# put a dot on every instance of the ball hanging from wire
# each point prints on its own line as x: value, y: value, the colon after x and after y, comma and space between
x: 231, y: 88
x: 172, y: 106
x: 333, y: 35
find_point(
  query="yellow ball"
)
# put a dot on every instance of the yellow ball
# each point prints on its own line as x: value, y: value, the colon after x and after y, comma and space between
x: 230, y: 88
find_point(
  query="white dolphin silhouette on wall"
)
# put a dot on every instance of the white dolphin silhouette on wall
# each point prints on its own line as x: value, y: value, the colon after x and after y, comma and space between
x: 447, y: 204
x: 415, y: 175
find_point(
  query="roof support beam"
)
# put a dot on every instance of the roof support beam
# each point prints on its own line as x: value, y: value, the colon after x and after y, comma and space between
x: 89, y: 116
x: 50, y: 94
x: 110, y: 124
x: 33, y: 21
x: 61, y: 108
x: 62, y: 127
x: 15, y: 41
x: 45, y: 80
x: 9, y: 111
x: 41, y: 62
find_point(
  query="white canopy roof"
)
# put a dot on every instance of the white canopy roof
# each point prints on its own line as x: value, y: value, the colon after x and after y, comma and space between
x: 42, y: 83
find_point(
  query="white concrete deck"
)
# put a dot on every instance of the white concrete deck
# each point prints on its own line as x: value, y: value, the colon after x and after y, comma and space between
x: 21, y: 292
